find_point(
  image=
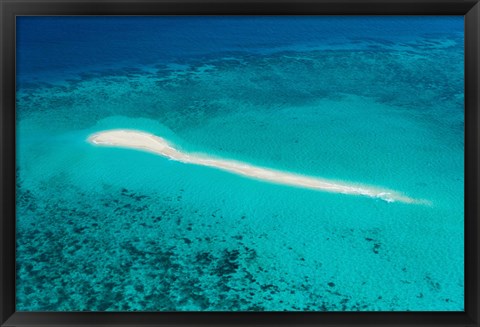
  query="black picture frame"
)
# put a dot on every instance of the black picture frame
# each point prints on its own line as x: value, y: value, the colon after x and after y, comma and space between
x: 9, y: 9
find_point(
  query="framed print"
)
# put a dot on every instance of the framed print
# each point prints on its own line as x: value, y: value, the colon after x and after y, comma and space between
x: 239, y: 163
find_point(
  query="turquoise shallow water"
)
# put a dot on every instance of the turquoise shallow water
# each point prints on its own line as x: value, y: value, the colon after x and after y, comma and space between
x: 108, y: 229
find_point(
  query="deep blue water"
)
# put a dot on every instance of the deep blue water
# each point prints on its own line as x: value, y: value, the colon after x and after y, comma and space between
x: 60, y: 45
x: 374, y: 101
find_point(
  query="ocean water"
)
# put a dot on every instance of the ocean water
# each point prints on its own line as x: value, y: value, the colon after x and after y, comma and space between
x: 362, y: 100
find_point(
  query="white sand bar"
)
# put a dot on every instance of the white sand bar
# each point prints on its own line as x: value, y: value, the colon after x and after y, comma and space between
x: 147, y: 142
